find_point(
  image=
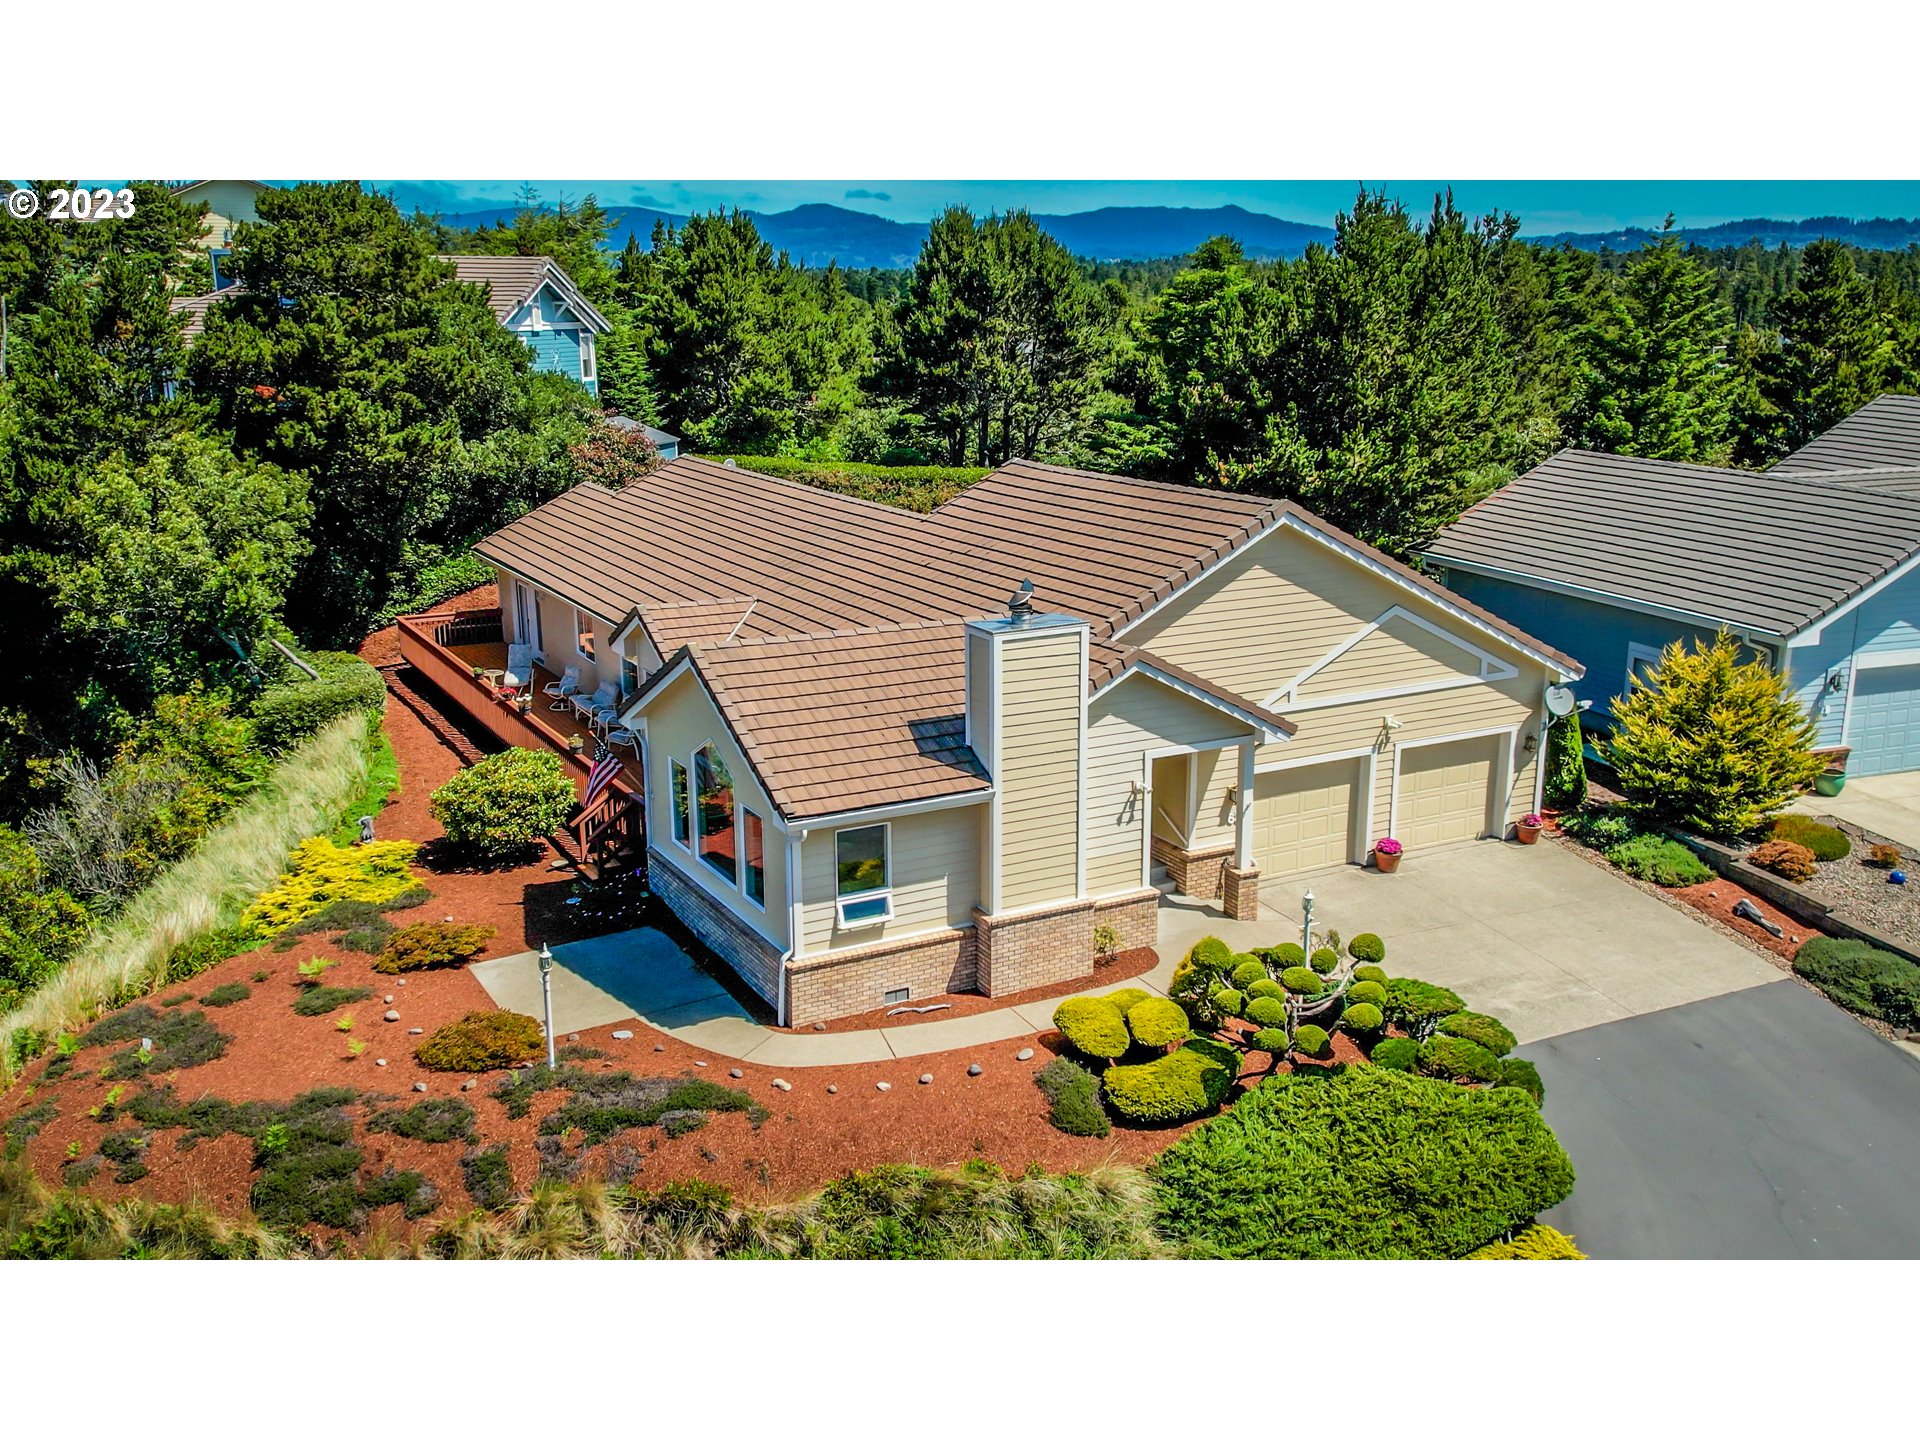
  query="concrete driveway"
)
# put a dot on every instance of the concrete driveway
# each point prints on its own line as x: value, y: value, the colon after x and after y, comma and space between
x: 1888, y: 805
x: 1764, y: 1124
x: 1532, y: 934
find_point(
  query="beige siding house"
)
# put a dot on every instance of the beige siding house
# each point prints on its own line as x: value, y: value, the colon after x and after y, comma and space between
x: 889, y: 756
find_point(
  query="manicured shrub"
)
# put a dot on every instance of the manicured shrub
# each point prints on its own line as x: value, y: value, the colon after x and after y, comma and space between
x: 506, y: 803
x: 1417, y: 1007
x: 325, y: 999
x: 1302, y: 981
x: 1359, y: 1162
x: 1485, y: 1031
x: 1271, y: 989
x: 1267, y: 1010
x: 1396, y: 1053
x: 1784, y: 858
x: 1212, y: 953
x: 1601, y: 827
x: 1860, y: 976
x: 232, y: 993
x: 1284, y: 956
x: 1827, y: 842
x: 1565, y: 785
x: 1125, y: 1000
x: 1522, y: 1075
x: 1073, y: 1098
x: 1158, y: 1023
x: 1367, y: 948
x: 287, y: 713
x: 1884, y: 857
x: 1312, y: 1042
x: 321, y: 872
x: 1370, y: 972
x: 1324, y: 961
x: 1659, y: 861
x: 1363, y: 1019
x: 1230, y: 1002
x: 1367, y: 992
x: 1274, y: 1040
x: 483, y: 1040
x: 1536, y: 1242
x: 1249, y: 972
x: 430, y: 944
x: 1093, y: 1025
x: 1448, y: 1057
x: 1191, y: 1081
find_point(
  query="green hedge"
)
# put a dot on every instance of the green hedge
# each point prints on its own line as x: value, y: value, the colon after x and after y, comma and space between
x: 1483, y: 1030
x: 285, y: 714
x: 506, y: 803
x: 1862, y: 977
x: 1448, y: 1057
x: 910, y: 487
x: 1660, y: 861
x: 1360, y: 1162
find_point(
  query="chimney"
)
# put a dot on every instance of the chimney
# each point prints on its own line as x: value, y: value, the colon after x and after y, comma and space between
x: 1020, y: 605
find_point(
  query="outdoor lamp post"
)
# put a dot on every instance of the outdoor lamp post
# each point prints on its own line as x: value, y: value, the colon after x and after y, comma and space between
x: 1306, y: 925
x: 546, y: 998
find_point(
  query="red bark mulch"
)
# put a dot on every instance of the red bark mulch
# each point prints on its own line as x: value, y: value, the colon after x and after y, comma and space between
x: 1718, y: 896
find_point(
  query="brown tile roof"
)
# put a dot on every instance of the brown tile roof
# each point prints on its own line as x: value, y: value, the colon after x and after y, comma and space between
x: 1107, y: 662
x: 511, y: 281
x: 711, y: 622
x: 195, y: 308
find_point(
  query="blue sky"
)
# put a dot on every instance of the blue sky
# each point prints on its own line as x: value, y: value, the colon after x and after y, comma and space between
x: 1545, y: 206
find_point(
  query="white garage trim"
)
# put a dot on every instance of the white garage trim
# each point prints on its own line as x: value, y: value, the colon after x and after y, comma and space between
x: 1491, y: 667
x: 1870, y: 660
x: 1502, y: 771
x: 1361, y: 821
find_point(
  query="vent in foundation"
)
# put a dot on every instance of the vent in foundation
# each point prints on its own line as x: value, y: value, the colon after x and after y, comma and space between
x: 894, y: 997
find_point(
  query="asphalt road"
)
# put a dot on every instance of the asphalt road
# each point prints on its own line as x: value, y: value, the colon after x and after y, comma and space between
x: 1764, y: 1124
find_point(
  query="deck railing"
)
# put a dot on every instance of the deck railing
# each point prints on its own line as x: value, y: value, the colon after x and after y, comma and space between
x: 615, y: 817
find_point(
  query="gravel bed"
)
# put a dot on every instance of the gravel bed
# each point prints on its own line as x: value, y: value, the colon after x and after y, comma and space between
x: 1855, y: 886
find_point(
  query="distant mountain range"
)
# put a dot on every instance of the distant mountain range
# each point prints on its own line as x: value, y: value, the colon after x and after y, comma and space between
x: 820, y: 234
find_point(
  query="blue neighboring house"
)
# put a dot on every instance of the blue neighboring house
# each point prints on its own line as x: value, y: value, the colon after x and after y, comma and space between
x: 1814, y: 565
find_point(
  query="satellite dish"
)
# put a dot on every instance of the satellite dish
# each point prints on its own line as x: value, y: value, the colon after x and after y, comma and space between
x: 1560, y: 701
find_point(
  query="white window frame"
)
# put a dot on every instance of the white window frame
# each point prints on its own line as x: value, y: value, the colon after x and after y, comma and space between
x: 676, y: 767
x: 1636, y: 652
x: 588, y: 372
x: 741, y: 814
x: 884, y: 894
x: 693, y: 813
x: 586, y: 629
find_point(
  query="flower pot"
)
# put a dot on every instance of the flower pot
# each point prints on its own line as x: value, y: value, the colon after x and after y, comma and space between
x: 1527, y: 834
x: 577, y: 743
x: 1830, y: 783
x: 1386, y: 864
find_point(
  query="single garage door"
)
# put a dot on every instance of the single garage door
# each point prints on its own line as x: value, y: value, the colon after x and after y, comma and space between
x: 1883, y: 724
x: 1444, y: 791
x: 1303, y: 817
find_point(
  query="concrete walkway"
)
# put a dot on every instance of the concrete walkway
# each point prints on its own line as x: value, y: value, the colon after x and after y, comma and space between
x: 1888, y: 805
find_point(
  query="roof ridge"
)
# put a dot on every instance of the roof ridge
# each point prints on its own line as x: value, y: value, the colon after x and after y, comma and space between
x: 844, y: 633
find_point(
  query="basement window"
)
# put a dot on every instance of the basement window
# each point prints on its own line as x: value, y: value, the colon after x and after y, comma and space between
x: 863, y: 875
x: 895, y: 997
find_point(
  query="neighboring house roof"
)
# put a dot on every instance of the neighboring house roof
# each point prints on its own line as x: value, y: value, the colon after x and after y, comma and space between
x: 1761, y: 551
x: 1882, y: 433
x: 660, y: 438
x: 512, y: 280
x: 195, y: 308
x: 1893, y: 480
x: 183, y: 186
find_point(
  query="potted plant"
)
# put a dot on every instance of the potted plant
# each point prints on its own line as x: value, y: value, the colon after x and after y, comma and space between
x: 477, y: 671
x: 1386, y: 854
x: 577, y: 743
x: 1830, y: 782
x: 523, y: 702
x: 1527, y: 828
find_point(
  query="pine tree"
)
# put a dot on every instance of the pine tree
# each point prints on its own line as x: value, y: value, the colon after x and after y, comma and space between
x: 1834, y: 353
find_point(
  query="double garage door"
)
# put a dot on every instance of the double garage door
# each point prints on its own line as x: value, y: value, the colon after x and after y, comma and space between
x: 1311, y: 816
x: 1883, y: 720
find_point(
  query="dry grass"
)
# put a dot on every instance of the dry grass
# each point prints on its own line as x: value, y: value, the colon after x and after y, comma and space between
x: 244, y: 855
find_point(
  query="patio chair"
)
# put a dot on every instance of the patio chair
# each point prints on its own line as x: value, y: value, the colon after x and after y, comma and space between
x: 620, y: 735
x: 519, y: 667
x: 588, y: 707
x: 562, y: 690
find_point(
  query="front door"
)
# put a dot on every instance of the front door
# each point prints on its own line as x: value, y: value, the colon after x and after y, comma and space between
x: 526, y: 618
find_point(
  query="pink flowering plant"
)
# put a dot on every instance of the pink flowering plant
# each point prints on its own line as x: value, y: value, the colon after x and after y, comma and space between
x: 1387, y: 845
x: 1532, y: 820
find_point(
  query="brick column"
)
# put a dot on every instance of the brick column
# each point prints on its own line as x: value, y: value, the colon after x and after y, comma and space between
x: 1241, y: 891
x: 1033, y: 947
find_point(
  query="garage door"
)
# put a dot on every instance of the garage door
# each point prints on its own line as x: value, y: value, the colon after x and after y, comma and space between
x: 1444, y: 792
x: 1883, y: 723
x: 1303, y: 817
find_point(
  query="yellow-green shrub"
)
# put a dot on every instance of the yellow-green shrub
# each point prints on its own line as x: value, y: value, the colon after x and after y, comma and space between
x: 322, y: 872
x: 1302, y: 980
x: 1265, y: 1010
x: 1093, y: 1025
x: 1191, y: 1081
x: 1158, y: 1023
x: 1313, y: 1042
x: 482, y: 1040
x: 1363, y: 1019
x: 1367, y: 947
x: 431, y: 943
x: 1126, y: 999
x: 1367, y: 992
x: 1536, y: 1242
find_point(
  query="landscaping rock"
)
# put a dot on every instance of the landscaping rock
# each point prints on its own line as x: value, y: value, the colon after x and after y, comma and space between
x: 883, y: 1086
x: 386, y: 1000
x: 421, y: 1086
x: 1026, y: 1054
x: 380, y: 1062
x: 833, y: 1089
x: 659, y: 1049
x: 926, y: 1079
x: 701, y: 1063
x: 469, y: 1084
x: 975, y: 1070
x: 415, y: 1030
x: 391, y: 1016
x: 783, y: 1085
x: 819, y: 1024
x: 623, y: 1034
x: 736, y: 1073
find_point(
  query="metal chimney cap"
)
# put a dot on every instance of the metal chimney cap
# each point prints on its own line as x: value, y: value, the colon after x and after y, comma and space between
x: 1020, y: 604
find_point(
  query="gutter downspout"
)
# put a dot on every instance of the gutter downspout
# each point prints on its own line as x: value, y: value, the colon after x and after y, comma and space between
x: 795, y: 839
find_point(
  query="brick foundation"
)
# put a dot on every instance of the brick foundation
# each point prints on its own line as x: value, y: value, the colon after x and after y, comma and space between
x: 1196, y: 873
x: 1240, y: 890
x: 846, y: 982
x: 1033, y: 947
x: 1136, y: 916
x: 718, y: 928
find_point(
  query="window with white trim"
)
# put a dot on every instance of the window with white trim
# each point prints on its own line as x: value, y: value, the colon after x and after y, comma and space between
x: 677, y: 784
x: 583, y: 634
x: 863, y: 879
x: 586, y: 357
x: 716, y: 841
x: 753, y: 858
x: 1642, y: 661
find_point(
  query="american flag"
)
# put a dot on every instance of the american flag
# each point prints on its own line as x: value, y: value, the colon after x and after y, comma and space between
x: 604, y: 769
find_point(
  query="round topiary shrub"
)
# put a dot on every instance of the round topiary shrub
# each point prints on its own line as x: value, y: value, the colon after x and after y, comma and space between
x: 1418, y: 1007
x: 1370, y: 972
x: 1284, y: 954
x: 1367, y: 992
x: 1093, y: 1025
x: 1210, y: 952
x: 483, y: 1040
x: 1825, y: 841
x: 1367, y: 947
x: 1191, y: 1081
x: 1229, y: 1002
x: 1312, y: 1042
x: 1266, y: 1011
x: 1273, y: 1040
x: 506, y: 803
x: 1396, y: 1053
x: 1521, y: 1075
x: 1268, y: 988
x: 1249, y: 972
x: 1324, y: 961
x: 1363, y: 1019
x: 1302, y: 981
x: 1158, y: 1023
x: 1485, y: 1031
x: 1125, y: 1000
x: 1448, y: 1057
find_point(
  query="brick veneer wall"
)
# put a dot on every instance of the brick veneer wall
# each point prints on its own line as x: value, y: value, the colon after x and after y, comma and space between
x: 1033, y: 947
x: 1135, y: 915
x: 1193, y: 872
x: 1240, y: 890
x: 720, y: 930
x: 846, y: 982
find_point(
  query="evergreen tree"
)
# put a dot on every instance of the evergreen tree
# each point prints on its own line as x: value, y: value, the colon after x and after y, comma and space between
x: 1834, y: 354
x: 1202, y: 336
